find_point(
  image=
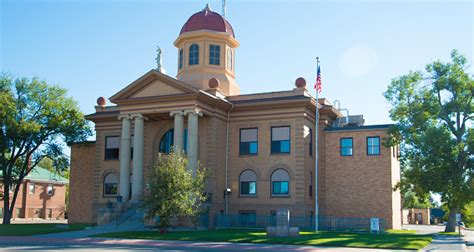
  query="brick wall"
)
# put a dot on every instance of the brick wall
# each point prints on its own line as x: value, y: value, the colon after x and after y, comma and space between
x: 38, y: 203
x: 361, y: 186
x: 81, y: 183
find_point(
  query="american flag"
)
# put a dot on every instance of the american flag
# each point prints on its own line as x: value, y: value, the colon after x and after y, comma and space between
x: 318, y: 85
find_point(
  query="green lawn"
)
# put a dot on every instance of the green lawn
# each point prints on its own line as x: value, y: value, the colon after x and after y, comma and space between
x: 449, y: 233
x: 388, y: 241
x: 34, y: 229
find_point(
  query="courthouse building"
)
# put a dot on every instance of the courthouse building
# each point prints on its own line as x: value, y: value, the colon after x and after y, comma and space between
x: 258, y: 148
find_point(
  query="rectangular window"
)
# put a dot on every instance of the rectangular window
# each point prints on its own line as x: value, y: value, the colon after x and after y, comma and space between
x: 248, y: 188
x: 214, y: 54
x: 31, y: 188
x: 112, y: 144
x: 280, y: 187
x: 180, y: 58
x: 50, y: 189
x: 248, y: 141
x: 49, y: 213
x: 280, y: 140
x: 373, y: 145
x: 311, y: 142
x: 247, y: 218
x: 346, y: 147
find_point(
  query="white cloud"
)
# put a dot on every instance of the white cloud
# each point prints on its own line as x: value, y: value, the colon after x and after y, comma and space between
x: 358, y: 61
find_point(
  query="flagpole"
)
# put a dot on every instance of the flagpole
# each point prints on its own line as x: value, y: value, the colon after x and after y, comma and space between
x: 316, y: 181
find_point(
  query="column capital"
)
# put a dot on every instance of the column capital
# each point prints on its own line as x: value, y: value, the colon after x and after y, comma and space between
x: 138, y: 116
x: 176, y: 112
x: 194, y: 111
x: 124, y: 116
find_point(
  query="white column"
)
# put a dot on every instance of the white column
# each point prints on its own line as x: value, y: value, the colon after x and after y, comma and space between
x: 124, y: 182
x: 137, y: 183
x: 178, y: 138
x: 193, y: 137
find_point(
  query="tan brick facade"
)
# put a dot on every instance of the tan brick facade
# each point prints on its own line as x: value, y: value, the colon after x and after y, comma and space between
x: 361, y: 185
x: 81, y: 183
x: 357, y: 186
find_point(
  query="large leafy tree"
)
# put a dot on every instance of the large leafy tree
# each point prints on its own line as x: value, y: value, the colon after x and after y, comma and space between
x: 434, y: 114
x: 175, y: 190
x: 36, y: 119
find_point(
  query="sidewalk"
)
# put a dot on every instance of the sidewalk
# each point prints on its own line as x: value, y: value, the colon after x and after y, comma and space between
x: 469, y: 239
x: 446, y: 243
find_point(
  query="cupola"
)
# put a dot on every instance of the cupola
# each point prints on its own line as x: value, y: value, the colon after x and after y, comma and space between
x: 206, y: 49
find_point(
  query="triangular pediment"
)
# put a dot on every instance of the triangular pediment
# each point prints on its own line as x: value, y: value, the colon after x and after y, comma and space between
x: 156, y: 88
x: 153, y: 84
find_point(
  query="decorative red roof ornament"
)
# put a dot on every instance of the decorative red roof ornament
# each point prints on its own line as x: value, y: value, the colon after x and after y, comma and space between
x: 207, y: 20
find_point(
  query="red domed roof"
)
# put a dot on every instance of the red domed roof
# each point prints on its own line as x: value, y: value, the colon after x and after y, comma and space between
x: 207, y: 20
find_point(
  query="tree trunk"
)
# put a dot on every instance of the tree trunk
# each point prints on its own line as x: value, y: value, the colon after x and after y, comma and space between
x: 6, y: 205
x: 451, y: 225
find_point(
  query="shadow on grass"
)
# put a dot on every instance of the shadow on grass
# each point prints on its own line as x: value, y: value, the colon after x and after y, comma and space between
x: 393, y: 241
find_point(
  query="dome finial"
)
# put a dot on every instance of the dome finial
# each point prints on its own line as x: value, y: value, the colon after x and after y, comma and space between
x: 207, y: 8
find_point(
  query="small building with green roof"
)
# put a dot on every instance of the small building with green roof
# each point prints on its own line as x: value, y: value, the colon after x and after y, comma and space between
x: 42, y: 195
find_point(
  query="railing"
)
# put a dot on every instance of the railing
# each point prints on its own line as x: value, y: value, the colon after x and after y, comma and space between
x: 126, y: 213
x: 303, y: 222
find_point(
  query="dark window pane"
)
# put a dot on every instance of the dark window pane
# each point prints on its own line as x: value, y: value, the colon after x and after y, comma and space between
x: 180, y: 58
x: 112, y: 147
x: 346, y: 146
x: 248, y: 141
x: 214, y: 54
x: 248, y: 188
x: 373, y: 146
x: 280, y: 187
x: 193, y: 54
x: 280, y: 140
x: 253, y: 148
x: 110, y: 189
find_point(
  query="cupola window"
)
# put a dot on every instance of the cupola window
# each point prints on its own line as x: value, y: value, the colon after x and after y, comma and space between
x: 214, y: 55
x: 180, y: 58
x: 229, y: 59
x: 193, y: 54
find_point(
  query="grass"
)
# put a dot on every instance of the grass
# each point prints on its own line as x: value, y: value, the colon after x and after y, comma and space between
x: 449, y: 233
x: 34, y: 229
x: 387, y: 241
x: 401, y: 231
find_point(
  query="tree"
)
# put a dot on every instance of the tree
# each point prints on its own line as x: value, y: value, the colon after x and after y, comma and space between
x: 35, y: 121
x: 434, y: 111
x: 175, y: 190
x: 411, y: 200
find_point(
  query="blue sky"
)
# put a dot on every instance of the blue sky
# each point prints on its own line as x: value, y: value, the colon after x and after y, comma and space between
x: 95, y: 48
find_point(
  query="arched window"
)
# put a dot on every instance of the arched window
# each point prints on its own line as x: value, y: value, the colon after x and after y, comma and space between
x: 248, y: 183
x: 110, y: 184
x: 229, y: 59
x: 214, y: 55
x: 181, y: 58
x: 280, y: 182
x: 167, y: 141
x: 193, y: 54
